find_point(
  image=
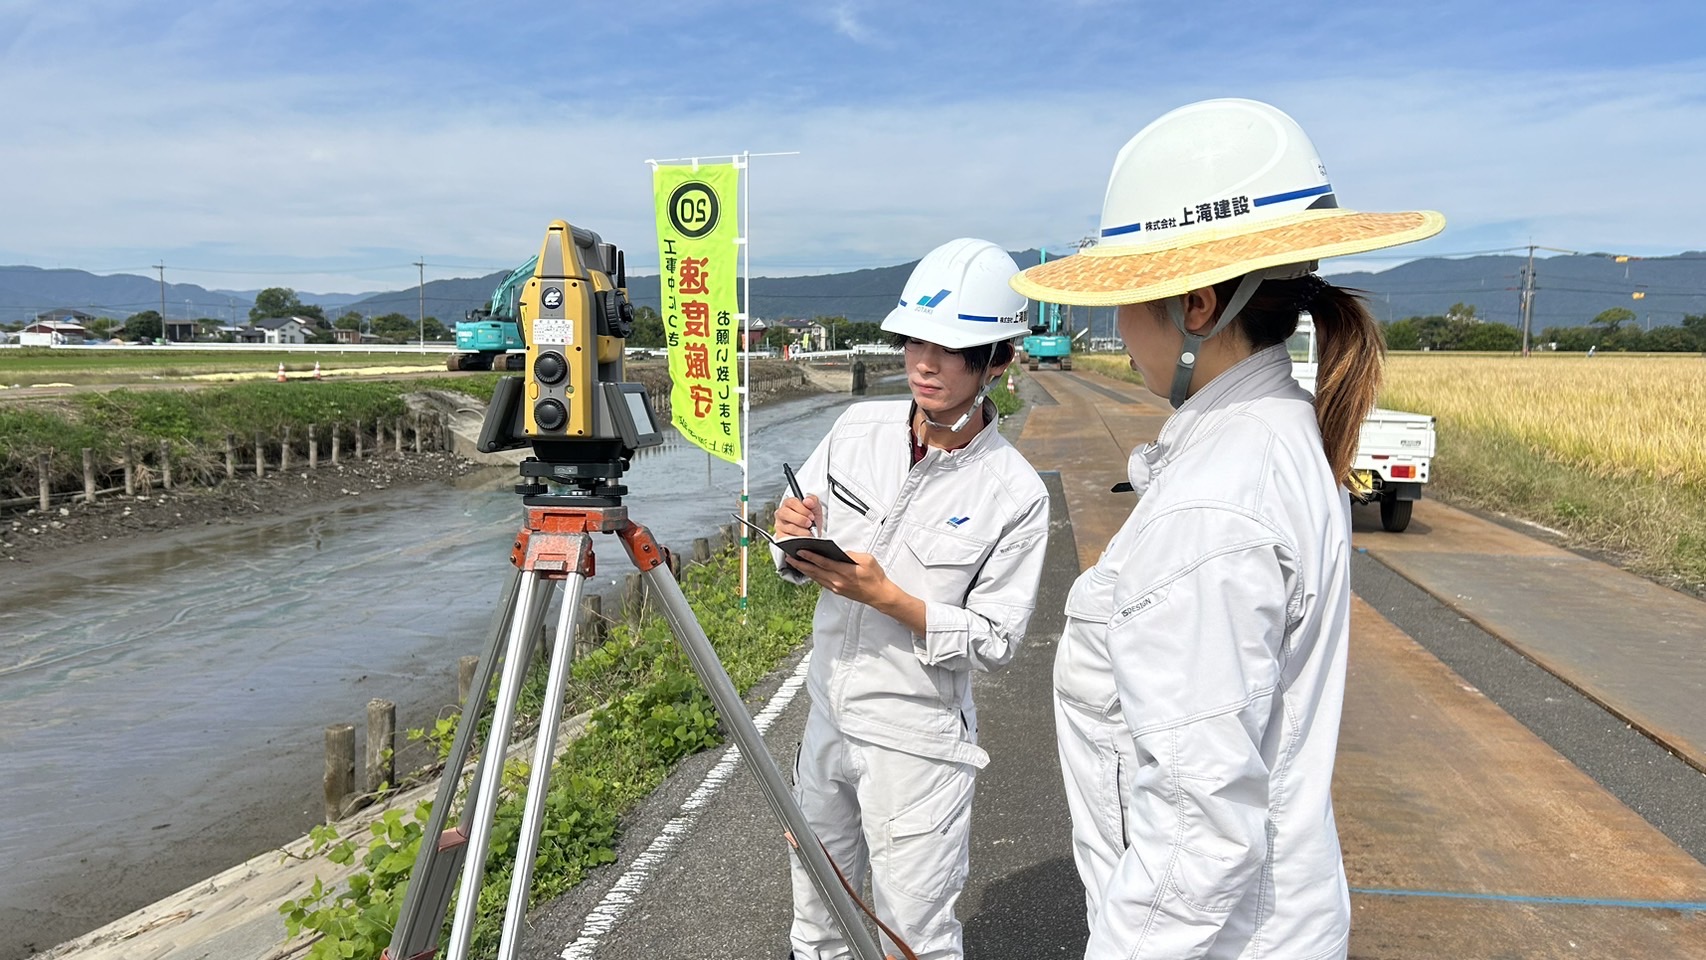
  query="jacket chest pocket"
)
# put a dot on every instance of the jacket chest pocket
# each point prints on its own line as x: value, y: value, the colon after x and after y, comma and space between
x: 852, y: 515
x: 937, y: 565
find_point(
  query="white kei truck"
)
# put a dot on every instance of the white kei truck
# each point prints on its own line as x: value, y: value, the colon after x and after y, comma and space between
x: 1394, y: 447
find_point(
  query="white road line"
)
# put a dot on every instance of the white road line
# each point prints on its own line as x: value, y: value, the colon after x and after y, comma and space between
x: 627, y: 887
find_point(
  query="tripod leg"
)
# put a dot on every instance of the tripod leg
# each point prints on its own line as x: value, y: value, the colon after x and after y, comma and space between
x: 530, y: 601
x: 427, y: 896
x: 731, y: 710
x: 539, y: 778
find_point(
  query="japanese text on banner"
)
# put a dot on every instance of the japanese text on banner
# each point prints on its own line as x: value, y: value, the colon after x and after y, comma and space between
x: 697, y: 226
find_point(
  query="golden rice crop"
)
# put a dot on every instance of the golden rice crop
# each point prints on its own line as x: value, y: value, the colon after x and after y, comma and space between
x: 1612, y: 416
x: 1115, y: 365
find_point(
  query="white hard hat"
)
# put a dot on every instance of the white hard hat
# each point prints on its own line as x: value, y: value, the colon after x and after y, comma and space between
x: 1208, y: 192
x: 960, y: 296
x: 1212, y: 191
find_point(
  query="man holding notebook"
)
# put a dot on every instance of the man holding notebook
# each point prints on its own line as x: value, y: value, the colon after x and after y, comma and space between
x: 945, y: 524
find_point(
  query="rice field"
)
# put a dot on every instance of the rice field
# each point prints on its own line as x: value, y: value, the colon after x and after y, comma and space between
x: 1616, y: 417
x: 1113, y: 365
x: 31, y: 366
x: 1609, y: 450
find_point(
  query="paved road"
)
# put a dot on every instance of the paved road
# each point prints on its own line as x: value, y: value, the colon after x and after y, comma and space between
x: 1466, y: 834
x: 723, y: 892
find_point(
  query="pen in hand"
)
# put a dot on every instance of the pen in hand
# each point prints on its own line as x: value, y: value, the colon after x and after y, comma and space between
x: 794, y: 485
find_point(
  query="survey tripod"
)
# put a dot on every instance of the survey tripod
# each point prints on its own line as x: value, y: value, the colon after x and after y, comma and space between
x: 555, y: 547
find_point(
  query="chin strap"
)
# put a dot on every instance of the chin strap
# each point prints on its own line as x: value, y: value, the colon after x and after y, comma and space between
x: 965, y: 418
x: 1191, y: 349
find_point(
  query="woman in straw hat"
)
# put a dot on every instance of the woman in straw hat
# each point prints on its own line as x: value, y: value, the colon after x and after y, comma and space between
x: 1198, y: 683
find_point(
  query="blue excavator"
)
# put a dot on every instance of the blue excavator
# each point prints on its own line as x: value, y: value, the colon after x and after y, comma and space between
x: 1048, y: 342
x: 491, y: 336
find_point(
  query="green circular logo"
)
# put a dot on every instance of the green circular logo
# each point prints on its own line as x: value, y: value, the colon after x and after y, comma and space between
x: 693, y: 209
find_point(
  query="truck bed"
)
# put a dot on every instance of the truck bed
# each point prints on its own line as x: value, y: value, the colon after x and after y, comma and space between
x: 1397, y: 432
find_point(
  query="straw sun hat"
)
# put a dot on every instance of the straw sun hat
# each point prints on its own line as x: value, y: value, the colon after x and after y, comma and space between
x: 1208, y: 192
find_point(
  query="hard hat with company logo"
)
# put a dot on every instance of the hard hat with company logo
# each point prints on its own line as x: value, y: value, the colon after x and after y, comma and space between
x: 960, y: 296
x: 1211, y: 191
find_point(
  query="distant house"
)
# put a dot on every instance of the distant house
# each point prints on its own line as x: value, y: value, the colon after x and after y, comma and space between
x: 813, y: 335
x: 754, y: 333
x: 283, y: 329
x: 801, y: 332
x: 183, y: 331
x: 54, y: 332
x: 65, y: 315
x: 341, y: 335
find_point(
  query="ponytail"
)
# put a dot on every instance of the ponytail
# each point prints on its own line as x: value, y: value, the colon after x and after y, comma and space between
x: 1348, y: 377
x: 1351, y: 353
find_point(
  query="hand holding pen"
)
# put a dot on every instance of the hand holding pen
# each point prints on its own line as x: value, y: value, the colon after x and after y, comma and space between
x: 800, y: 520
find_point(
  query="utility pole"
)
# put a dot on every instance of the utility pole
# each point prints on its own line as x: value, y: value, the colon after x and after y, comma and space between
x: 420, y: 301
x: 161, y: 266
x: 1527, y: 298
x: 1083, y: 243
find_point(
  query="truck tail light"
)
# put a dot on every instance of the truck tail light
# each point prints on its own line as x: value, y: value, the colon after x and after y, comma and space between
x: 1403, y: 471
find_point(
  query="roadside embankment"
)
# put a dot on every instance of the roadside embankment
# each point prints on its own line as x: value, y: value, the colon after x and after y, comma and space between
x: 126, y: 462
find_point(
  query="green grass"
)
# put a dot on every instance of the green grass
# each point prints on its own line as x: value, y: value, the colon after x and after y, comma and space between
x: 194, y: 423
x: 1006, y: 401
x: 649, y: 712
x: 1655, y: 527
x: 480, y: 385
x: 1111, y: 365
x: 26, y: 365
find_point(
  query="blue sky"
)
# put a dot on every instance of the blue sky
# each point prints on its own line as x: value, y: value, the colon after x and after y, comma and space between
x: 326, y: 146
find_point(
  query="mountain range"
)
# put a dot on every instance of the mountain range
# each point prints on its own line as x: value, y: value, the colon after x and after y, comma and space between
x: 1569, y: 291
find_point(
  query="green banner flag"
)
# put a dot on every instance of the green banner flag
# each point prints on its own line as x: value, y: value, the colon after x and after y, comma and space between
x: 697, y: 227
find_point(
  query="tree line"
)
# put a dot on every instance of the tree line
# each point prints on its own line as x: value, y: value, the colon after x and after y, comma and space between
x: 272, y: 302
x: 1614, y: 329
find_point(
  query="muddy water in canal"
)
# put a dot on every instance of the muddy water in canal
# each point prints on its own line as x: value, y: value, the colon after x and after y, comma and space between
x: 163, y: 699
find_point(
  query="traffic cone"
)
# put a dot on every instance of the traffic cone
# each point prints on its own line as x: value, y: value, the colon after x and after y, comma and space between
x: 281, y: 373
x: 316, y: 369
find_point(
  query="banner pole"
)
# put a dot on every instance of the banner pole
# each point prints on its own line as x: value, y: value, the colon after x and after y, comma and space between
x: 686, y: 218
x: 745, y: 164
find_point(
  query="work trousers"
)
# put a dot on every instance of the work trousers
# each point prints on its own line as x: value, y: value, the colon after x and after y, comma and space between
x: 901, y: 820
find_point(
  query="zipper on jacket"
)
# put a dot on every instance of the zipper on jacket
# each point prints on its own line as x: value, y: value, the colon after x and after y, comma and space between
x: 1119, y: 798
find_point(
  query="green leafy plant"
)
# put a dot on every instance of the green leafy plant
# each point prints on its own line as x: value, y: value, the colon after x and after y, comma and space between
x: 647, y: 712
x: 191, y: 422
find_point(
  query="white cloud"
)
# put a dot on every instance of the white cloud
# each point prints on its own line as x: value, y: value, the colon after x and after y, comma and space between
x: 249, y: 174
x: 847, y: 23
